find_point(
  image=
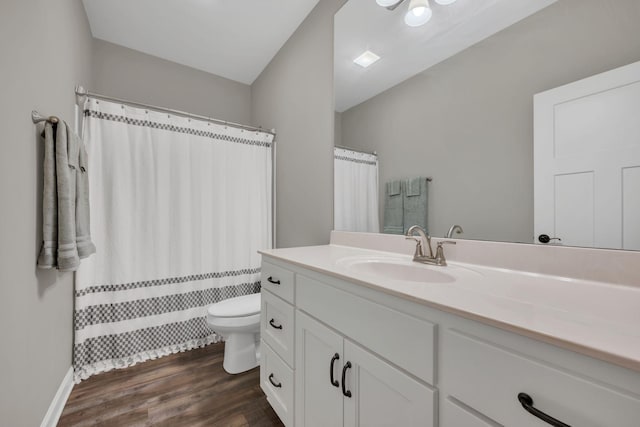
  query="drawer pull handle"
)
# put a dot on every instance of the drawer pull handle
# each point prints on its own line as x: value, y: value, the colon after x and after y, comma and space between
x: 277, y: 385
x: 272, y: 322
x: 346, y: 392
x: 333, y: 361
x: 527, y: 403
x: 270, y: 279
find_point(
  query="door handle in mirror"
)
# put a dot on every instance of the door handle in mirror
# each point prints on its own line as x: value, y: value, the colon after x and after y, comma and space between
x: 545, y: 238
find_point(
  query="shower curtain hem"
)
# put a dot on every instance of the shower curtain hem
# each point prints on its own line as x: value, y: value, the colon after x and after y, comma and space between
x: 83, y: 372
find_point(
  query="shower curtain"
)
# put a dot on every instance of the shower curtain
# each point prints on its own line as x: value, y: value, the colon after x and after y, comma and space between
x: 179, y: 209
x: 355, y: 191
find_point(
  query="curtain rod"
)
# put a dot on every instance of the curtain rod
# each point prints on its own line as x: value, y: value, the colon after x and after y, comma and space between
x: 82, y: 93
x: 356, y: 150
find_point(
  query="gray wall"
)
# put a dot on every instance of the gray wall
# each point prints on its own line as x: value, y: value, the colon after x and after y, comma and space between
x: 136, y: 76
x: 294, y: 94
x: 468, y: 121
x: 45, y: 52
x: 337, y: 129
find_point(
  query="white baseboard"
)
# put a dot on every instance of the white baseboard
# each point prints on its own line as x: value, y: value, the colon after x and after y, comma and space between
x: 60, y: 399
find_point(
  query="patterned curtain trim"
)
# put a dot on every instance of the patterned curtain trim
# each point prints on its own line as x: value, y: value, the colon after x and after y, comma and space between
x: 355, y: 156
x: 349, y: 159
x: 85, y: 371
x: 103, y: 313
x: 166, y: 281
x: 172, y: 128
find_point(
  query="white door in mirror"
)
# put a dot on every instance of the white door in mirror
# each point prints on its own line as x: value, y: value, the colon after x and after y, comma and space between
x: 587, y: 161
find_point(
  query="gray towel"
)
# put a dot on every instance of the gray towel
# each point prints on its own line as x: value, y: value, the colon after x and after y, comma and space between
x: 393, y: 208
x: 415, y: 204
x: 65, y: 200
x: 394, y: 187
x: 413, y: 186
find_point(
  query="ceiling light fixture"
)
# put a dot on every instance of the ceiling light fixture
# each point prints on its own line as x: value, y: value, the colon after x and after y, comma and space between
x: 387, y: 3
x: 419, y: 12
x: 366, y: 59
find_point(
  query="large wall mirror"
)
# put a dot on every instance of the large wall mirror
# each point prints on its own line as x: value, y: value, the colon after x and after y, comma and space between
x: 453, y: 100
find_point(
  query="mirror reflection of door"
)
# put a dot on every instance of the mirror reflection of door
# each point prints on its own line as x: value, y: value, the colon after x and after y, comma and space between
x: 355, y: 191
x: 587, y: 161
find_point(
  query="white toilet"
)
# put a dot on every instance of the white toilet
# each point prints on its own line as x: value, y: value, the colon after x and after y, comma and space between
x: 237, y: 320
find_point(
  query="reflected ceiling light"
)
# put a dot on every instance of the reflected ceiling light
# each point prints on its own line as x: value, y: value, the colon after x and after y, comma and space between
x: 419, y: 13
x: 366, y: 59
x: 387, y: 3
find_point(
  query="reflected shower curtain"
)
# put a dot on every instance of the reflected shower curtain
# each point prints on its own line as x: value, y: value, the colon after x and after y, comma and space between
x: 355, y: 191
x: 179, y: 209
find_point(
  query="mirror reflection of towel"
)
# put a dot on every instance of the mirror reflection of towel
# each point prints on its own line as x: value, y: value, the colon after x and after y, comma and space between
x: 393, y: 208
x: 413, y: 186
x: 394, y: 188
x: 415, y: 203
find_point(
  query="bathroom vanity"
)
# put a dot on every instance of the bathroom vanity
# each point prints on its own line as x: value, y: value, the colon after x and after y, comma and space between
x: 353, y: 335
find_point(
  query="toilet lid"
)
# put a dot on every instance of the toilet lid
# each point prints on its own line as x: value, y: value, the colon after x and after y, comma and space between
x: 236, y: 307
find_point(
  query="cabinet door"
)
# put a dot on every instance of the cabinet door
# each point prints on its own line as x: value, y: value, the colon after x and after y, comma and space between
x: 318, y: 401
x: 382, y: 395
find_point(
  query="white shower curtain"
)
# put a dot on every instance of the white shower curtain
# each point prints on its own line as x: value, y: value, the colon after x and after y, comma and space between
x: 355, y: 191
x: 179, y: 209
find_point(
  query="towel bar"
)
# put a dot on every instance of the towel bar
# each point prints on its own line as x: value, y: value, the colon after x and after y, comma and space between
x: 37, y: 118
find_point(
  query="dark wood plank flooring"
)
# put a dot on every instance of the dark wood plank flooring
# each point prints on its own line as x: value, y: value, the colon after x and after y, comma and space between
x: 184, y: 389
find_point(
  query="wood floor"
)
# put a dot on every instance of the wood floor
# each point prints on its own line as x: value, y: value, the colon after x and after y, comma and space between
x: 184, y: 389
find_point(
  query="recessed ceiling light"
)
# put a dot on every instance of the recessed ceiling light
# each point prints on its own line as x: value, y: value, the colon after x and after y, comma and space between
x: 366, y: 59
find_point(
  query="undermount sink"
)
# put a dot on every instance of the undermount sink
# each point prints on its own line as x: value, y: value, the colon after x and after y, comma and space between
x: 396, y: 269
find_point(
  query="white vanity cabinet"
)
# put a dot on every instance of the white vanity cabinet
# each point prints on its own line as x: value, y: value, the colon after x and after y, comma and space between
x: 360, y: 356
x: 488, y: 374
x: 338, y: 382
x: 277, y: 336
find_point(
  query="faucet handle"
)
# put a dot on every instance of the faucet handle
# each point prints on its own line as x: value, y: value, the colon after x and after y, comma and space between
x: 440, y: 259
x: 419, y: 251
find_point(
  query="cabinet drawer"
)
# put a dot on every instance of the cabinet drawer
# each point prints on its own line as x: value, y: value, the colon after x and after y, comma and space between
x: 277, y: 327
x: 396, y: 336
x: 488, y: 378
x: 278, y: 281
x: 276, y: 380
x: 454, y: 415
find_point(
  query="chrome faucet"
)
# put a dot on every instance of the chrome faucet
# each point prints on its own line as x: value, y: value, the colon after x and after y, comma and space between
x: 421, y: 243
x: 454, y: 228
x: 425, y: 241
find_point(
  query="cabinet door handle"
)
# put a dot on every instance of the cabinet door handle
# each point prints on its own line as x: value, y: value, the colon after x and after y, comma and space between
x: 527, y: 403
x: 270, y: 279
x: 333, y: 361
x: 277, y: 385
x: 272, y: 322
x: 346, y: 392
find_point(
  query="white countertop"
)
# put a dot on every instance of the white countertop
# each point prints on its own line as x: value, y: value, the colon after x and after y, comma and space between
x: 597, y: 319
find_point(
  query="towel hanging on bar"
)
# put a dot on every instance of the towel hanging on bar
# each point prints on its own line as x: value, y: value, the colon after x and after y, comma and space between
x: 38, y: 118
x: 65, y: 200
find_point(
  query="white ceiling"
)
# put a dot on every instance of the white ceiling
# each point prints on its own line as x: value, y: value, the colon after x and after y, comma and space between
x: 405, y: 51
x: 229, y: 38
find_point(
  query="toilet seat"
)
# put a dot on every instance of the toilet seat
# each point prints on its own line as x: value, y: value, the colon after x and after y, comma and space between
x: 233, y: 322
x: 242, y: 306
